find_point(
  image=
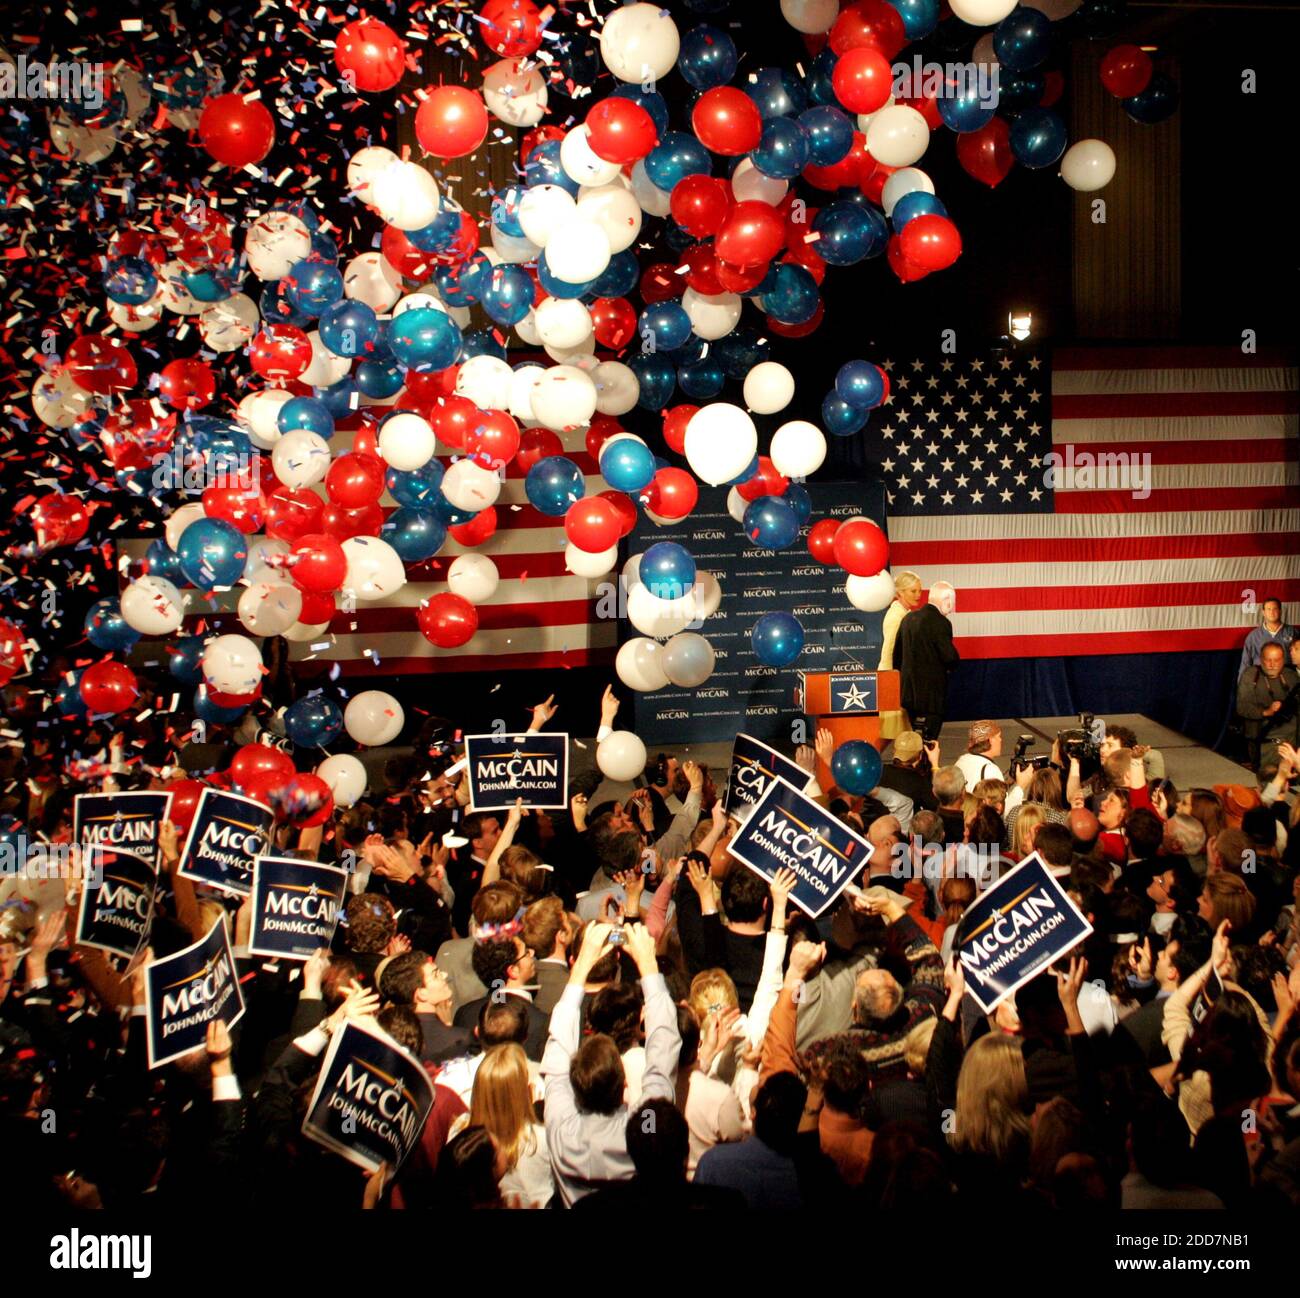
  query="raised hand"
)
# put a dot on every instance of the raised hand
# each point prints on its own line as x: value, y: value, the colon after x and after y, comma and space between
x: 544, y: 711
x: 641, y: 947
x: 806, y: 957
x: 694, y: 774
x: 781, y: 886
x: 824, y: 743
x: 608, y: 706
x: 806, y: 756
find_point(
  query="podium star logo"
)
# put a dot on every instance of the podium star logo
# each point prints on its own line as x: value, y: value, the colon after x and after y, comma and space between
x: 853, y: 698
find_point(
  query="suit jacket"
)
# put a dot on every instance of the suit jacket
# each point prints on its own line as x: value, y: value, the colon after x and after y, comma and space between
x: 552, y: 978
x: 441, y: 1042
x: 1144, y: 1025
x: 925, y: 656
x: 454, y: 959
x: 538, y: 1025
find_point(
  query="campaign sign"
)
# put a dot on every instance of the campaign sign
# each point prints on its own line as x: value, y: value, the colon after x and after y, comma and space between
x: 1016, y: 929
x: 788, y: 831
x: 116, y: 907
x: 504, y: 768
x: 121, y: 822
x: 753, y: 767
x: 371, y: 1099
x: 187, y: 991
x: 295, y: 906
x: 229, y: 832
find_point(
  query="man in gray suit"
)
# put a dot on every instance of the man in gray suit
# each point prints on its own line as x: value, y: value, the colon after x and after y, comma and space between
x: 548, y: 932
x: 498, y: 903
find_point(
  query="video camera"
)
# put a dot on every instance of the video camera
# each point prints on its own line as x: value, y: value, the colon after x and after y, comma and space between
x: 1084, y: 743
x: 1022, y: 758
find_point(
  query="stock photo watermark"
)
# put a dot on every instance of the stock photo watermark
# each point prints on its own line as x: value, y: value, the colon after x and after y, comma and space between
x: 72, y: 81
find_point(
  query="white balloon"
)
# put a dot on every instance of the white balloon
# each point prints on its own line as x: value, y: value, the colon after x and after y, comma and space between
x: 617, y: 387
x: 325, y: 369
x: 513, y: 248
x: 373, y: 718
x: 416, y: 301
x: 870, y: 594
x: 688, y: 660
x: 473, y: 577
x: 657, y: 617
x: 582, y: 563
x: 898, y: 136
x: 615, y: 209
x: 405, y: 195
x: 810, y: 16
x: 621, y: 756
x: 564, y: 398
x: 1088, y: 165
x: 982, y: 13
x: 269, y: 607
x: 58, y: 401
x: 406, y: 442
x: 720, y: 442
x: 232, y: 664
x: 260, y: 412
x: 582, y: 354
x: 906, y: 180
x: 180, y: 519
x: 865, y: 119
x: 276, y: 242
x: 265, y: 562
x: 580, y: 164
x: 711, y: 317
x: 136, y: 319
x: 374, y: 568
x: 736, y: 504
x: 652, y: 199
x: 639, y: 42
x: 514, y: 91
x: 300, y: 458
x: 365, y: 167
x: 485, y: 380
x: 153, y: 606
x: 749, y: 184
x: 470, y: 486
x: 562, y: 321
x: 798, y: 449
x: 543, y: 209
x: 522, y: 383
x: 578, y: 251
x: 631, y: 572
x: 175, y: 296
x: 769, y: 387
x: 229, y: 325
x: 301, y: 631
x: 639, y: 664
x: 708, y: 594
x: 370, y: 279
x: 346, y: 777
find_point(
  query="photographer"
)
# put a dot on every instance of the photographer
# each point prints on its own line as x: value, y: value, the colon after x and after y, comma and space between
x: 1266, y: 702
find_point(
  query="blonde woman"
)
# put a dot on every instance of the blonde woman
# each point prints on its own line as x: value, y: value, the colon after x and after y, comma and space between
x: 1028, y: 817
x: 907, y: 596
x: 502, y: 1102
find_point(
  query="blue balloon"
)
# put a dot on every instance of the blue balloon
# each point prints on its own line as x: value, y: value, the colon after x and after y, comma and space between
x: 651, y: 100
x: 701, y: 380
x: 416, y: 534
x: 185, y: 658
x: 830, y: 134
x: 212, y: 553
x: 416, y: 487
x: 160, y: 560
x: 856, y: 766
x: 308, y: 413
x: 664, y: 326
x: 1023, y: 39
x: 323, y: 245
x: 379, y: 379
x: 777, y: 639
x: 439, y: 234
x: 129, y: 281
x: 917, y: 203
x: 544, y: 168
x: 739, y: 351
x: 558, y: 287
x: 627, y: 464
x: 311, y: 286
x: 1157, y: 103
x: 508, y: 296
x: 771, y: 523
x: 860, y: 384
x: 667, y: 570
x: 840, y: 418
x: 692, y: 350
x: 302, y: 209
x: 206, y: 710
x: 481, y: 342
x: 276, y: 307
x: 797, y: 497
x: 349, y: 328
x: 821, y: 89
x: 553, y: 484
x: 1038, y: 137
x: 966, y: 110
x: 448, y: 512
x: 707, y: 57
x: 783, y: 150
x: 677, y: 238
x: 579, y: 61
x: 459, y: 285
x: 676, y: 155
x: 920, y: 17
x: 505, y: 211
x: 657, y: 376
x: 619, y: 277
x: 746, y: 474
x: 105, y: 628
x: 424, y: 339
x: 849, y: 233
x: 1020, y: 90
x: 790, y: 294
x: 776, y: 92
x: 67, y: 694
x: 340, y: 398
x: 313, y: 721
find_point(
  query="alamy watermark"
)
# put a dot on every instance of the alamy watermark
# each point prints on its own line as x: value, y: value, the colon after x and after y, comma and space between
x: 978, y: 82
x: 1105, y: 471
x: 25, y: 78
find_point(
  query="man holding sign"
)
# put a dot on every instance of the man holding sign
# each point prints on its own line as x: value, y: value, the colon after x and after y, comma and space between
x: 187, y: 991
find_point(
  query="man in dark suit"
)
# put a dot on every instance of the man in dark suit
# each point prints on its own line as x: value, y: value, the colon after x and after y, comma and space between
x: 506, y: 967
x: 905, y: 774
x: 1187, y: 949
x: 926, y: 655
x: 413, y: 979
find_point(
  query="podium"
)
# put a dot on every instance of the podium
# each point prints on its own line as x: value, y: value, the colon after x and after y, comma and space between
x: 848, y: 704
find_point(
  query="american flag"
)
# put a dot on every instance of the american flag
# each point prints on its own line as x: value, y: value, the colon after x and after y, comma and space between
x: 1172, y: 506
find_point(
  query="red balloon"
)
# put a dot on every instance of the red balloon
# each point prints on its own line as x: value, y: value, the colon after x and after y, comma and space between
x: 493, y: 441
x: 821, y: 540
x: 754, y: 232
x: 1126, y: 71
x: 1053, y: 87
x: 869, y: 23
x: 451, y: 122
x: 601, y: 429
x: 862, y: 79
x: 766, y: 482
x: 220, y: 699
x: 907, y: 272
x: 872, y: 183
x: 807, y: 256
x: 59, y: 519
x: 264, y: 787
x: 365, y: 441
x: 614, y: 321
x: 535, y: 444
x: 448, y: 621
x: 727, y: 121
x: 292, y: 512
x: 739, y: 279
x: 622, y: 502
x: 343, y: 524
x: 354, y: 481
x: 236, y: 131
x: 404, y: 257
x: 931, y: 242
x: 452, y: 420
x: 370, y: 55
x: 860, y: 547
x: 479, y: 528
x: 700, y: 204
x: 185, y: 802
x: 593, y: 524
x: 660, y: 281
x: 511, y: 28
x: 319, y: 563
x: 241, y: 507
x: 187, y: 385
x: 305, y: 800
x: 256, y: 759
x: 848, y: 172
x: 620, y: 130
x: 316, y: 608
x: 538, y: 135
x: 280, y: 351
x: 927, y: 106
x: 100, y: 365
x: 429, y: 388
x: 12, y: 642
x: 675, y: 421
x: 701, y: 264
x: 986, y: 154
x: 672, y: 493
x: 108, y: 688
